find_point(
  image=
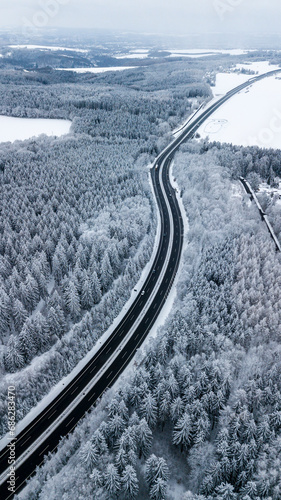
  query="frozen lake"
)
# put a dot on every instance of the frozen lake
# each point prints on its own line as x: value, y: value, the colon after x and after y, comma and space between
x: 13, y: 129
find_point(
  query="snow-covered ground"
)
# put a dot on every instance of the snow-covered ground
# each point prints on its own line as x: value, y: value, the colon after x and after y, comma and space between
x: 270, y: 191
x: 251, y: 117
x: 136, y: 54
x: 47, y: 47
x: 176, y: 132
x: 13, y: 129
x: 259, y: 67
x: 96, y: 70
x: 194, y: 53
x: 228, y: 80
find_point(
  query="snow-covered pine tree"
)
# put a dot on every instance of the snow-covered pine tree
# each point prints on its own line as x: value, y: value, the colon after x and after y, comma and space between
x: 56, y: 321
x: 13, y: 359
x: 111, y: 479
x: 144, y: 438
x: 182, y: 432
x: 129, y: 483
x: 89, y: 454
x: 20, y: 314
x: 96, y: 288
x: 158, y: 490
x: 72, y: 300
x: 149, y: 409
x: 156, y: 468
x: 87, y: 300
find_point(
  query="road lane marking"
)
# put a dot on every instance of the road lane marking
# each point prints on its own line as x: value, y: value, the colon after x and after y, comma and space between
x: 43, y: 450
x: 25, y: 441
x: 91, y: 397
x: 53, y: 413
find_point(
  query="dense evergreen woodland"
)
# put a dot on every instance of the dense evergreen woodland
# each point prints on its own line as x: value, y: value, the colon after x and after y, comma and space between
x: 200, y: 417
x: 77, y: 217
x: 257, y: 166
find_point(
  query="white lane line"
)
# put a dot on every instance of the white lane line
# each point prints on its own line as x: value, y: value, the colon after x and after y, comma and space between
x: 93, y: 368
x: 109, y: 374
x: 25, y: 441
x: 69, y: 422
x: 74, y: 390
x: 52, y: 414
x: 123, y: 355
x: 43, y: 450
x: 91, y: 397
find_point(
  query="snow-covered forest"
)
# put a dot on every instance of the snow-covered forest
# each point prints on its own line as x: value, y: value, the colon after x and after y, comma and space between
x: 77, y: 218
x: 200, y: 417
x: 258, y: 166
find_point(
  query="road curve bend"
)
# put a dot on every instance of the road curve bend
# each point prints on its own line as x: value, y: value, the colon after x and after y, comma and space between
x: 59, y: 418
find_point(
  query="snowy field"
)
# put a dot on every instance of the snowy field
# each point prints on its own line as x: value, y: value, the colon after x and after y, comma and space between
x: 258, y: 67
x: 96, y: 70
x: 252, y: 117
x: 47, y: 47
x: 227, y: 81
x: 13, y: 129
x: 193, y: 53
x: 136, y: 54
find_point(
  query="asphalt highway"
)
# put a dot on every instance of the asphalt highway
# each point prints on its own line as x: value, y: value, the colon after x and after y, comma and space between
x: 60, y: 417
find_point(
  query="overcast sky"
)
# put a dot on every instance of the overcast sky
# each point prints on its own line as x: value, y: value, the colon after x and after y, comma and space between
x: 155, y: 16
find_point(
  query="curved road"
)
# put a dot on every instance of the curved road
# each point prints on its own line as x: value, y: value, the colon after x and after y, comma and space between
x: 60, y: 417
